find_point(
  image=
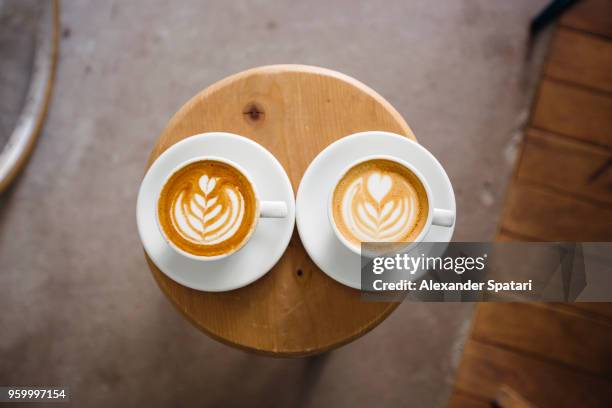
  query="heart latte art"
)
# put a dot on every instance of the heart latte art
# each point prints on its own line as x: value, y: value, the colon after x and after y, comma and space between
x: 380, y: 201
x: 207, y: 208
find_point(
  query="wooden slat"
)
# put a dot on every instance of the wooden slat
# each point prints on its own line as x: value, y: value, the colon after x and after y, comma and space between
x: 581, y: 58
x: 534, y: 211
x: 567, y: 165
x: 485, y: 368
x: 463, y: 400
x: 505, y: 237
x: 594, y: 16
x: 574, y: 111
x: 508, y: 398
x: 509, y: 236
x: 557, y: 334
x: 600, y: 309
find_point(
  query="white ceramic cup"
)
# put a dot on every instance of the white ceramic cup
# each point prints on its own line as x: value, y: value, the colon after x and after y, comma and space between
x: 264, y: 209
x: 435, y: 216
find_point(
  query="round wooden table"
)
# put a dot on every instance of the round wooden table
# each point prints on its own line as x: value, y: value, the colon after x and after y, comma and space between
x: 295, y: 111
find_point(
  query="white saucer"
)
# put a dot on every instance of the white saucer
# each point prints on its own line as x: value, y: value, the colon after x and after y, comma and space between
x: 317, y: 236
x: 268, y: 242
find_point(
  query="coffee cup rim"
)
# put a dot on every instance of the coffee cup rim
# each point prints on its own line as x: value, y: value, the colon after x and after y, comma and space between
x: 255, y: 219
x: 357, y: 248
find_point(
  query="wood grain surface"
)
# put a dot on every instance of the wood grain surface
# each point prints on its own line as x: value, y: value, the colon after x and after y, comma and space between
x: 535, y: 211
x: 567, y: 165
x: 486, y: 368
x: 596, y: 309
x: 555, y: 354
x: 582, y: 342
x: 460, y: 399
x: 581, y: 58
x: 592, y: 16
x: 294, y: 111
x: 574, y: 111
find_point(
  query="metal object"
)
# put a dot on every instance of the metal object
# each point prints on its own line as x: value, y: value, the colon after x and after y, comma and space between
x: 18, y: 146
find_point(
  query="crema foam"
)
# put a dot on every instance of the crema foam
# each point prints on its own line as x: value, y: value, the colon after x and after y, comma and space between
x: 380, y: 200
x: 207, y: 208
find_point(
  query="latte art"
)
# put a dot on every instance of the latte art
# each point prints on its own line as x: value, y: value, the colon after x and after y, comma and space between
x: 207, y: 208
x: 380, y: 201
x: 210, y: 214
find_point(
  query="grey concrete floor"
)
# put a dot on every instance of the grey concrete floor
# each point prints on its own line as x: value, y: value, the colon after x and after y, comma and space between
x: 79, y: 307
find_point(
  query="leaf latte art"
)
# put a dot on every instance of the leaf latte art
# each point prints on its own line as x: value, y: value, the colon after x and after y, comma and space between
x: 380, y: 201
x: 207, y: 208
x: 210, y: 214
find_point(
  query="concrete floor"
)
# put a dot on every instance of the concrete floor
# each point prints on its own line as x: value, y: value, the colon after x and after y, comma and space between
x: 79, y: 307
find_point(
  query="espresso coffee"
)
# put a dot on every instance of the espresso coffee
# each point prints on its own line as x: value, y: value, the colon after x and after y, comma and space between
x: 207, y: 208
x: 379, y: 200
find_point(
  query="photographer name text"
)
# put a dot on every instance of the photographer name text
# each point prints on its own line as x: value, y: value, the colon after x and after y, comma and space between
x: 431, y: 285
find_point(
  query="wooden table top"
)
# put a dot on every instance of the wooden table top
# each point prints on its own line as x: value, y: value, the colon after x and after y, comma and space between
x: 294, y: 111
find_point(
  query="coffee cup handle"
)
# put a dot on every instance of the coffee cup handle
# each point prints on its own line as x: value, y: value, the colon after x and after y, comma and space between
x: 272, y: 209
x: 443, y: 218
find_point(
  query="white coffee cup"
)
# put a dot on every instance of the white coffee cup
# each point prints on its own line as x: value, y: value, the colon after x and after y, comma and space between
x: 264, y: 209
x: 435, y: 216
